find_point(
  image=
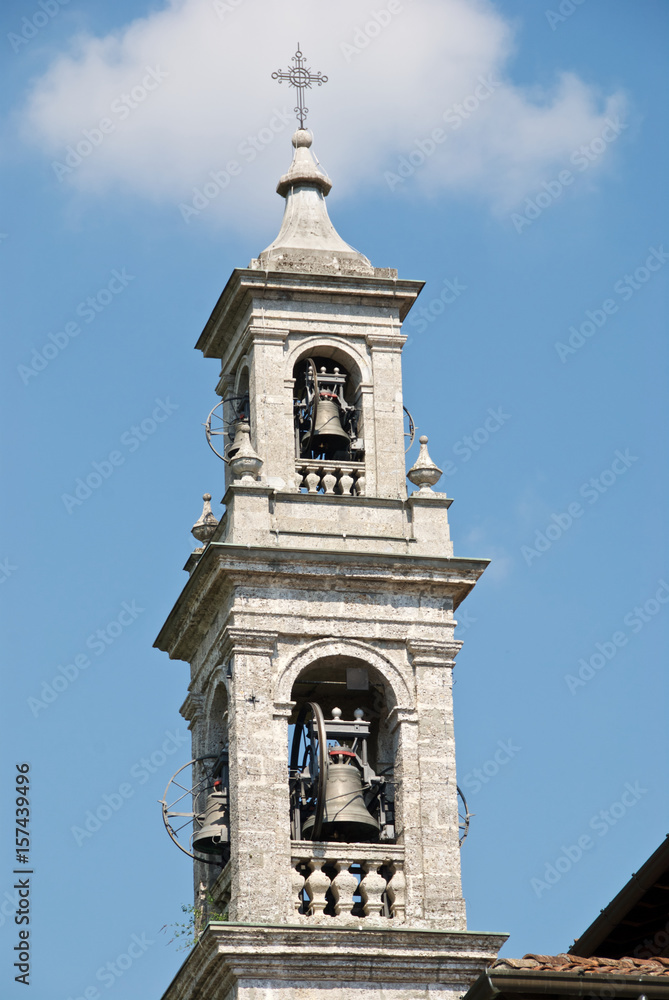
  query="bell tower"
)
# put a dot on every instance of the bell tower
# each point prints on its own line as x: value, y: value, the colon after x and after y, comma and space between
x: 318, y: 622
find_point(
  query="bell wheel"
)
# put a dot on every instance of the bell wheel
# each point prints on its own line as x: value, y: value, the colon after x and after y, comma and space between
x: 464, y: 817
x: 223, y: 418
x: 184, y: 802
x: 409, y: 430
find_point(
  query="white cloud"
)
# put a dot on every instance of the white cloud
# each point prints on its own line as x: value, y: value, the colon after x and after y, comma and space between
x: 217, y: 99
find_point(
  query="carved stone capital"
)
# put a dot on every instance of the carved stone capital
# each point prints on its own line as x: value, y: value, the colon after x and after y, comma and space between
x: 267, y: 334
x: 191, y: 710
x: 386, y: 341
x: 433, y: 652
x: 249, y: 642
x: 399, y: 714
x: 283, y: 709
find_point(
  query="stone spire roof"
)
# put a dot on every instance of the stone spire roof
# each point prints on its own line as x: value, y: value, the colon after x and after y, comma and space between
x: 307, y: 240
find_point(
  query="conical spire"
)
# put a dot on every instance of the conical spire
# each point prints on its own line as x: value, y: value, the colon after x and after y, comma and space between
x: 307, y: 240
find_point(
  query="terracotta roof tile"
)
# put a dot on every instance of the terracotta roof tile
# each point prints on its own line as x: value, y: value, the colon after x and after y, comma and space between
x: 573, y: 963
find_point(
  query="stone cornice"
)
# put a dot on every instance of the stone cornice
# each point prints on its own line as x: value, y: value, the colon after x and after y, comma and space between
x: 246, y: 282
x: 223, y: 567
x: 302, y: 957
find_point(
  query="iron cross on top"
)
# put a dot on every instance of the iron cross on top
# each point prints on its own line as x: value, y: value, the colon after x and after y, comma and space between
x: 300, y: 77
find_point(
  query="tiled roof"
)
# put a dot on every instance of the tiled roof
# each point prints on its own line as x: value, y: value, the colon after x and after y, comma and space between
x: 572, y: 963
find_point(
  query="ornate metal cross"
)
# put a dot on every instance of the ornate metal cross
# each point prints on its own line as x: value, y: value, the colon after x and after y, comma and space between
x: 300, y: 77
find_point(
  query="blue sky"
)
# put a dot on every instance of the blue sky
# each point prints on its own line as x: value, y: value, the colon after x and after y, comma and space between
x: 516, y: 161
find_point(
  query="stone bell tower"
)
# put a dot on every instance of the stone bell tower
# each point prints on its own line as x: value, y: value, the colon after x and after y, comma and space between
x: 318, y: 621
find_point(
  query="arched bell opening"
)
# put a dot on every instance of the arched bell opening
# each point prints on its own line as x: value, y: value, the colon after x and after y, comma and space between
x: 211, y: 805
x: 327, y: 407
x: 341, y: 753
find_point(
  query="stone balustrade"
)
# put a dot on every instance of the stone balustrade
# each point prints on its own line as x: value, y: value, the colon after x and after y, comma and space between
x: 343, y: 478
x: 348, y: 883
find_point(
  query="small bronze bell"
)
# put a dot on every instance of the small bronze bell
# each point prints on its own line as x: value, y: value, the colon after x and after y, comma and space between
x: 213, y: 836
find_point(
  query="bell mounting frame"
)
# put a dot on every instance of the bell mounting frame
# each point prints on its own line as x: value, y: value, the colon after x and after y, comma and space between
x: 313, y: 767
x: 195, y: 795
x: 310, y: 403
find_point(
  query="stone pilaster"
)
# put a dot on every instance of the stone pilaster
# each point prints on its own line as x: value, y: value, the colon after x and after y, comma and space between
x: 260, y: 843
x: 442, y: 894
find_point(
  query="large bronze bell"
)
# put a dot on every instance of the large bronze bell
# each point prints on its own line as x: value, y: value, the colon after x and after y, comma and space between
x: 346, y: 816
x: 213, y: 836
x: 328, y: 432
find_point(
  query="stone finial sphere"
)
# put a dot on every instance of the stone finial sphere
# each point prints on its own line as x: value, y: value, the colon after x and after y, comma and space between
x: 301, y: 138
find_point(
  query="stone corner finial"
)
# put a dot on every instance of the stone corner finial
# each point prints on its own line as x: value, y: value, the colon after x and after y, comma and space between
x: 204, y: 528
x: 424, y: 473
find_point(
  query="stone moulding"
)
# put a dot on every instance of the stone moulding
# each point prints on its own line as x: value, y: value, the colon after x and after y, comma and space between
x: 246, y: 957
x: 223, y: 567
x: 244, y: 283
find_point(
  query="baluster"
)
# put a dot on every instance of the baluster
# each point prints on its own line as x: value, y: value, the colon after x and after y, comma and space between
x: 329, y: 482
x: 360, y: 485
x: 345, y: 484
x: 297, y: 881
x: 317, y: 884
x: 397, y: 895
x: 372, y: 889
x: 344, y: 887
x: 313, y: 478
